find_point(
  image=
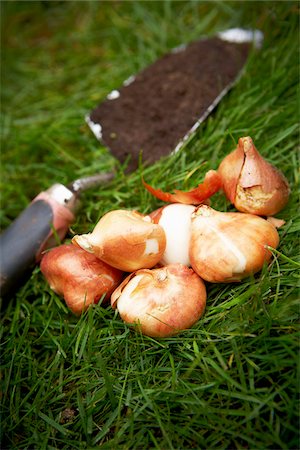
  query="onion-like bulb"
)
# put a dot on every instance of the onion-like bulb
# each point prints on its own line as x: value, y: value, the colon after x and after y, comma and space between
x: 251, y: 183
x: 161, y: 302
x: 227, y: 247
x: 79, y: 277
x: 126, y: 240
x: 175, y: 219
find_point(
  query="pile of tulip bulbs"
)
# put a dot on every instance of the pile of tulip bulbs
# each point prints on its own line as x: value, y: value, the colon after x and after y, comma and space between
x: 153, y: 268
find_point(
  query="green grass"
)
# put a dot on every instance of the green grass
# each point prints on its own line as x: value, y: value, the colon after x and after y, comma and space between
x: 230, y: 382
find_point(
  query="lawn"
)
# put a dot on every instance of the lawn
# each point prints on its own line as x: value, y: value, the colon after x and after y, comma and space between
x: 232, y: 380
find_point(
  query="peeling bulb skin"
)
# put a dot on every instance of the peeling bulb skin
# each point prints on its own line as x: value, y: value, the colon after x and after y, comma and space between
x: 79, y: 277
x: 212, y: 183
x: 251, y: 183
x: 161, y: 302
x: 227, y: 247
x: 230, y: 170
x: 126, y: 240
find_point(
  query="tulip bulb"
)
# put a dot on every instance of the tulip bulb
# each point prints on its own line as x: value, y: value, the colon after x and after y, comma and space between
x: 126, y: 240
x: 227, y: 247
x: 251, y: 183
x: 161, y: 302
x: 175, y: 219
x: 78, y: 276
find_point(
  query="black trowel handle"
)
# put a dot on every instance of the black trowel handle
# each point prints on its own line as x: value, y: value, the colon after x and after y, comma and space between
x: 22, y: 243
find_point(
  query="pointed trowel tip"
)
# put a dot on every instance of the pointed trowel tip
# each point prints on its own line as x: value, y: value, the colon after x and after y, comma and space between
x: 241, y: 35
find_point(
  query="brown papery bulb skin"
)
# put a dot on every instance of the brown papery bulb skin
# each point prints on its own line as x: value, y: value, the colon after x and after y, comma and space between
x: 161, y: 302
x: 228, y: 247
x: 126, y: 240
x: 79, y: 277
x: 251, y: 183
